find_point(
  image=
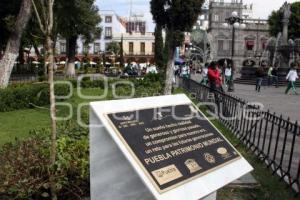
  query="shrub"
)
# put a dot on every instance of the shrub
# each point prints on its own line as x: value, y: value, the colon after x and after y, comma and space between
x: 25, y: 173
x: 27, y: 96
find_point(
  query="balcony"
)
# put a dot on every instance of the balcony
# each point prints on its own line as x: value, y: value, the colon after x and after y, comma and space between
x: 108, y: 37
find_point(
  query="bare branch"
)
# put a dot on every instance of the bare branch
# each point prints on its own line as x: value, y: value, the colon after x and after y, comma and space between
x: 50, y: 15
x: 38, y: 17
x: 44, y: 12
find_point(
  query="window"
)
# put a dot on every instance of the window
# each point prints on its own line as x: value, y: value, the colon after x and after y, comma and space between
x: 250, y: 45
x: 108, y: 19
x: 131, y: 47
x: 62, y: 48
x: 153, y: 47
x: 108, y: 33
x: 220, y: 45
x: 97, y: 48
x: 142, y: 47
x: 264, y: 43
x: 216, y: 18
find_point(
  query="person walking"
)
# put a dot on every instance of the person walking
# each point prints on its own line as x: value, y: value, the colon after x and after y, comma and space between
x: 292, y: 77
x: 270, y: 76
x: 275, y: 76
x: 228, y: 75
x: 204, y: 80
x: 260, y: 73
x: 214, y: 77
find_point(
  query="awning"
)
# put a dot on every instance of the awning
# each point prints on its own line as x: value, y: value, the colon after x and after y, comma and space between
x: 250, y: 42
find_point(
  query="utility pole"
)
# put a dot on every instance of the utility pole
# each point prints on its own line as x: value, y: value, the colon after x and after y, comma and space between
x: 130, y: 10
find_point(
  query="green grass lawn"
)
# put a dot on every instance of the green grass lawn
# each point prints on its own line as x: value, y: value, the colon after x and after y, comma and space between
x: 17, y: 124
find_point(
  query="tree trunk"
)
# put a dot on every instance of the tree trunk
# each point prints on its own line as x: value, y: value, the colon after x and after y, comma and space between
x: 71, y: 51
x: 36, y: 50
x: 169, y: 71
x: 13, y: 44
x: 50, y: 58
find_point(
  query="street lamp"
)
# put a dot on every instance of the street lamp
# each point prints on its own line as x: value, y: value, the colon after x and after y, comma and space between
x: 235, y: 22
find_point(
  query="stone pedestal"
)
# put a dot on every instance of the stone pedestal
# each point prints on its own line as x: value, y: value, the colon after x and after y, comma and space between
x: 115, y: 174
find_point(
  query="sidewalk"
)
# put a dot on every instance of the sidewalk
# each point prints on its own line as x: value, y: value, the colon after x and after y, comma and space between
x: 272, y: 98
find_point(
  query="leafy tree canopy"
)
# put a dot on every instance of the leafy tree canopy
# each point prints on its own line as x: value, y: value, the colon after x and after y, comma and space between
x: 77, y: 17
x: 275, y: 21
x: 114, y: 47
x: 177, y: 16
x: 159, y: 46
x: 9, y: 10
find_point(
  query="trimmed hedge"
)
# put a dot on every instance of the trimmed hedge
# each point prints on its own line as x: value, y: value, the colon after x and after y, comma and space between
x: 25, y: 96
x: 30, y: 95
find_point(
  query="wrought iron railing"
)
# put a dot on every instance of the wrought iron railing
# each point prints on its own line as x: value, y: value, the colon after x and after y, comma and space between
x: 273, y: 139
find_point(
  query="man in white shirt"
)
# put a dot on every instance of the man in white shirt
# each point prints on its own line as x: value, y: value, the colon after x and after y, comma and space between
x: 228, y: 75
x: 292, y: 77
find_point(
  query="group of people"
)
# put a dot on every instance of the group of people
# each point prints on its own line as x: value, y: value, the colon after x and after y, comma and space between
x: 216, y: 76
x: 272, y: 75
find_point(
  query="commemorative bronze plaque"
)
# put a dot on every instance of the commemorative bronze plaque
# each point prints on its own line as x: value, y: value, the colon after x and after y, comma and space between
x: 174, y: 144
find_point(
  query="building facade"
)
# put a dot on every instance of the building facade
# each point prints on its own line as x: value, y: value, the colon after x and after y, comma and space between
x: 250, y: 42
x: 138, y: 44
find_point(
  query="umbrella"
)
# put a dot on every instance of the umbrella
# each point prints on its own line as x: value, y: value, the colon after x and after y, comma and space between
x: 36, y: 62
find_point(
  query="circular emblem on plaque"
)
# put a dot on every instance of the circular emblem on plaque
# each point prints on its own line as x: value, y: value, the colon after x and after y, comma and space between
x: 222, y: 151
x: 209, y: 158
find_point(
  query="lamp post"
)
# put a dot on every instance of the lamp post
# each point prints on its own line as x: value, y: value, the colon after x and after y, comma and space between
x: 235, y: 22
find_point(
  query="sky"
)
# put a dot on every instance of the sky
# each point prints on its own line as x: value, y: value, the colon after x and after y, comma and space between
x: 262, y: 8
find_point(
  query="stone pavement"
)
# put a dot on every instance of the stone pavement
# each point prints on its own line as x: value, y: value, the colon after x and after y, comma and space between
x: 273, y: 99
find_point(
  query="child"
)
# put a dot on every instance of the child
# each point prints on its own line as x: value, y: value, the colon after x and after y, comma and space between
x: 292, y: 77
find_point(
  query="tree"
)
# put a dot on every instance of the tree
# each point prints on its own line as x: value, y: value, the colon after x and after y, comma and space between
x: 46, y: 20
x: 122, y: 62
x: 74, y: 18
x: 9, y: 10
x: 276, y: 26
x: 178, y: 16
x: 114, y: 47
x: 13, y: 43
x: 159, y: 46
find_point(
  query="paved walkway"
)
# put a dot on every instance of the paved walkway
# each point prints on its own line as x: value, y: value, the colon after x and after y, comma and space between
x: 272, y: 98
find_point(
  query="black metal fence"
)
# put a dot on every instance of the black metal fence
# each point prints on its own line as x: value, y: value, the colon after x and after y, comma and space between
x: 272, y: 138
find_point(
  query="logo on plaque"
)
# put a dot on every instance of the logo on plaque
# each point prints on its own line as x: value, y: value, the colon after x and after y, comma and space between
x: 223, y: 152
x: 166, y: 174
x: 192, y: 165
x: 209, y: 158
